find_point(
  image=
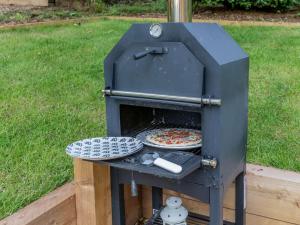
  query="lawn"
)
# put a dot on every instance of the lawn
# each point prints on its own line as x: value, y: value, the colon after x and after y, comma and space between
x: 51, y: 77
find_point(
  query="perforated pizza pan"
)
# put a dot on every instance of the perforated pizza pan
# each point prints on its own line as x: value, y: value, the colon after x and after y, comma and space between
x: 104, y: 148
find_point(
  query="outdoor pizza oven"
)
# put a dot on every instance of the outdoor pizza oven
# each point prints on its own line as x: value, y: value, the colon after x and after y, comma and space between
x: 181, y: 75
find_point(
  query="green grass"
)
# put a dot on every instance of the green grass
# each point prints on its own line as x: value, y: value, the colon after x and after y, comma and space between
x: 50, y: 82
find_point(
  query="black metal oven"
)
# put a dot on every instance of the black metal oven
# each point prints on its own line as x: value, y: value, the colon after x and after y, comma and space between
x: 191, y: 75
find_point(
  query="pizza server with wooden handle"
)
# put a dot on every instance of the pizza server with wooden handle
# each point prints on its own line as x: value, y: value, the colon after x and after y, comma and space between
x: 153, y: 158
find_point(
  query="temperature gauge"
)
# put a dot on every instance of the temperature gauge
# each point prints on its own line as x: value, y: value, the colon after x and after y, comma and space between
x: 155, y: 30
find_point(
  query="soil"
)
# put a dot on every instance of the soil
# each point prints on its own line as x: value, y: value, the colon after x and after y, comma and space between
x: 239, y: 15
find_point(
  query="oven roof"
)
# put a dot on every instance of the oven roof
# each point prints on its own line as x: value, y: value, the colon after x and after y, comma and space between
x: 203, y: 39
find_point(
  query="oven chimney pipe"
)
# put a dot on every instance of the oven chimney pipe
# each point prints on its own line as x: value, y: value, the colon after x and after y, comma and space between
x: 180, y: 11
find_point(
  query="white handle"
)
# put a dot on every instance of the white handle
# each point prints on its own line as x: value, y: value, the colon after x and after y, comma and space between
x: 167, y: 165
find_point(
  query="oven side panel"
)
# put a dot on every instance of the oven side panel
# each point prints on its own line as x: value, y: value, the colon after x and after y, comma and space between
x: 226, y: 77
x: 210, y: 115
x: 113, y: 123
x: 234, y: 118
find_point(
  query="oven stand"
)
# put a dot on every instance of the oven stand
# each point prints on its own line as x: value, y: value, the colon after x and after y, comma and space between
x: 240, y: 199
x: 216, y: 205
x: 117, y: 199
x: 216, y: 201
x: 157, y: 198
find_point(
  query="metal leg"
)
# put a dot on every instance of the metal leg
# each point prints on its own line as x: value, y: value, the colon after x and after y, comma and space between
x: 240, y: 211
x: 216, y: 206
x: 156, y: 198
x: 117, y: 198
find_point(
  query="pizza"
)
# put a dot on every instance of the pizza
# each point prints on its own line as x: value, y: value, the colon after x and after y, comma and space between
x: 174, y: 137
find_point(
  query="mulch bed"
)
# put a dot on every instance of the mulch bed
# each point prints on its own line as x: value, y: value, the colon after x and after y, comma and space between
x: 239, y: 15
x: 205, y: 14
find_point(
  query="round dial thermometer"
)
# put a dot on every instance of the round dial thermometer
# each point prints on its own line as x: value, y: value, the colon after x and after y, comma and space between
x: 156, y: 30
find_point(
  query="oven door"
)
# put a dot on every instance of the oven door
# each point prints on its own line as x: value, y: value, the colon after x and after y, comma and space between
x: 160, y: 68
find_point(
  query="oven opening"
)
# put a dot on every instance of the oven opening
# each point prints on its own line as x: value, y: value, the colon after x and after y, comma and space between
x: 136, y: 119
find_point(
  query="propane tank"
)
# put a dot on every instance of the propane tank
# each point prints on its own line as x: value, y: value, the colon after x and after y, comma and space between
x: 174, y: 213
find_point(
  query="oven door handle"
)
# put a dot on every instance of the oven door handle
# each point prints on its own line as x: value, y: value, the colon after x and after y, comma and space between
x: 203, y: 100
x: 152, y: 50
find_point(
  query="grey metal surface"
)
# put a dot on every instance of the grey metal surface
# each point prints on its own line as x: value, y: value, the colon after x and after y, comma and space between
x: 208, y: 63
x: 104, y: 148
x: 135, y: 164
x: 204, y: 101
x: 157, y: 198
x: 240, y: 198
x: 195, y: 190
x: 117, y: 198
x: 159, y: 70
x: 180, y: 11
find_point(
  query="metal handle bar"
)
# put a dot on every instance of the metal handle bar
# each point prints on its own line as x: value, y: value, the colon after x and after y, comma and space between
x: 204, y: 101
x: 153, y: 50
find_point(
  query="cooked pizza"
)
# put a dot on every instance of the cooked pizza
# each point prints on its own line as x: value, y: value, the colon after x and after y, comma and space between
x: 174, y: 137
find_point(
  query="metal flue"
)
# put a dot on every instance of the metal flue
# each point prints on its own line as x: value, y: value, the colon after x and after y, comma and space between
x: 180, y: 11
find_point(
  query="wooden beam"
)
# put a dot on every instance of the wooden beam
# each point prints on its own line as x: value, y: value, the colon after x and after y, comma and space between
x: 25, y: 2
x: 133, y: 206
x: 203, y: 209
x: 57, y: 208
x: 93, y: 196
x: 273, y: 198
x: 274, y: 193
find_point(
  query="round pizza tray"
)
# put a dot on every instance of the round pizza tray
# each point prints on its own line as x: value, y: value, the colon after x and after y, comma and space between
x: 104, y: 148
x: 143, y: 138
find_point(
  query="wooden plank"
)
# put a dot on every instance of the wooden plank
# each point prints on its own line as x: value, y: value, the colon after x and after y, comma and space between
x: 93, y: 196
x: 229, y: 214
x: 133, y: 206
x: 273, y: 197
x: 25, y: 2
x: 274, y: 193
x: 57, y: 208
x: 203, y: 209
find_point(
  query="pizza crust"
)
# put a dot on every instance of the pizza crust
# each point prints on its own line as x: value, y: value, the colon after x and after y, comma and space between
x: 174, y: 137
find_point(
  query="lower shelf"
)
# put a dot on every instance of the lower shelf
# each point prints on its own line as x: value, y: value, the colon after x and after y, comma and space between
x: 193, y: 219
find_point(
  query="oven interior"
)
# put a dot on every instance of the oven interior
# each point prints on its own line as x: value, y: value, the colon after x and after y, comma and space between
x: 135, y: 119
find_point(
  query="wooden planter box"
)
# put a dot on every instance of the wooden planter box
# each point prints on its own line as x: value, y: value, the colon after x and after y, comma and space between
x: 25, y: 2
x: 273, y: 198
